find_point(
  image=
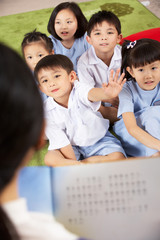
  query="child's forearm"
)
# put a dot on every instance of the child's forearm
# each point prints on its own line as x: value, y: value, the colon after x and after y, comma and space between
x: 55, y: 158
x: 97, y: 94
x: 145, y: 138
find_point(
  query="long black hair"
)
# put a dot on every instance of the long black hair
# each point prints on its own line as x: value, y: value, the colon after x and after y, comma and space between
x: 139, y: 53
x: 81, y: 19
x: 21, y: 122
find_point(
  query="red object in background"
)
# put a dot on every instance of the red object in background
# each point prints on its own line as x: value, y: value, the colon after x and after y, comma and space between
x: 153, y: 33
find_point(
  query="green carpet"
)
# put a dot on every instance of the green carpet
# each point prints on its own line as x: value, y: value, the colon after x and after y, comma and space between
x: 134, y: 17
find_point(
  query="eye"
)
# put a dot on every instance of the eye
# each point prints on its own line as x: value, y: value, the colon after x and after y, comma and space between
x: 140, y: 70
x: 29, y: 57
x: 97, y: 33
x: 57, y: 22
x: 154, y: 68
x: 57, y: 76
x: 69, y: 21
x: 40, y: 55
x: 110, y: 32
x: 45, y: 81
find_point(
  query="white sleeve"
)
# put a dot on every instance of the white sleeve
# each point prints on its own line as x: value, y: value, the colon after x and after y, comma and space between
x: 82, y: 91
x: 57, y: 137
x: 125, y: 101
x: 84, y: 75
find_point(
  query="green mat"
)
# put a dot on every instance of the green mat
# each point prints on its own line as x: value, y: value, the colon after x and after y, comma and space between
x: 134, y: 17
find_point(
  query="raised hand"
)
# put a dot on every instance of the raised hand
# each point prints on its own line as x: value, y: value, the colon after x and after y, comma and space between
x: 115, y: 84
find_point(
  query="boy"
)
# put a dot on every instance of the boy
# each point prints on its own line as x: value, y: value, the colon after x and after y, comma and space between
x: 72, y: 114
x: 94, y: 66
x: 35, y: 46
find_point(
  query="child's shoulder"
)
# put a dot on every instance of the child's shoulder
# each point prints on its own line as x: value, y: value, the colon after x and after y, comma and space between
x: 86, y: 56
x: 49, y: 104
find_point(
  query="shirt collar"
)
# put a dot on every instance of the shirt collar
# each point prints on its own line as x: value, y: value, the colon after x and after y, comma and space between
x: 93, y: 59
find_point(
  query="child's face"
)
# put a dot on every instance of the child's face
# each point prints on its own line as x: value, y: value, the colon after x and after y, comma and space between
x: 147, y: 76
x: 104, y: 38
x: 56, y: 82
x: 33, y: 53
x: 66, y: 24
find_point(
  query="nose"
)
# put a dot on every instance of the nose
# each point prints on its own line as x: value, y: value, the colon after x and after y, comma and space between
x: 104, y: 36
x: 51, y: 83
x: 148, y: 74
x: 63, y: 25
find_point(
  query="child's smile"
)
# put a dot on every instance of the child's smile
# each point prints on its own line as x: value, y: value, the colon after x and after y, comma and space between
x: 56, y: 83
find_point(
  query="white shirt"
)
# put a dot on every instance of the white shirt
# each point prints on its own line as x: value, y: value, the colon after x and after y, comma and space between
x: 80, y: 124
x: 33, y: 225
x: 92, y: 70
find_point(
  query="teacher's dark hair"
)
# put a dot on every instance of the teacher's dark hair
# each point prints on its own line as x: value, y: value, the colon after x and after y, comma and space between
x: 21, y: 122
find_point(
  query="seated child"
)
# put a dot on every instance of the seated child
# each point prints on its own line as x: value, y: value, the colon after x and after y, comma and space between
x: 72, y: 114
x: 139, y: 106
x: 67, y: 26
x: 94, y: 66
x: 35, y: 46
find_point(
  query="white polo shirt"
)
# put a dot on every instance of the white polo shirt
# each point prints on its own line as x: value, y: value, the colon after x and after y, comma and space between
x: 80, y: 124
x: 92, y: 70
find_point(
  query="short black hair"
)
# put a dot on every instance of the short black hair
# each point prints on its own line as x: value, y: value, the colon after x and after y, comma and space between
x: 144, y: 51
x: 51, y: 61
x: 81, y: 19
x: 36, y: 36
x: 101, y: 16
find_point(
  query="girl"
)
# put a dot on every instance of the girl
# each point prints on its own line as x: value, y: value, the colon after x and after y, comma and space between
x: 21, y: 128
x: 139, y: 107
x: 67, y: 26
x: 35, y: 46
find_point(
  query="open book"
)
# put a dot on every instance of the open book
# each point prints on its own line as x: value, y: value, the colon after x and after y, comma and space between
x: 105, y: 201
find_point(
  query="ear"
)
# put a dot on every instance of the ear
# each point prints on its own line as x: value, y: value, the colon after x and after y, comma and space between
x: 89, y: 39
x: 72, y: 76
x: 52, y: 52
x: 130, y: 71
x: 119, y: 38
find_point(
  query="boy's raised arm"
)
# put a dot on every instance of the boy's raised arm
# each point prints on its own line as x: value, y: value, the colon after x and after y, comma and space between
x: 108, y: 91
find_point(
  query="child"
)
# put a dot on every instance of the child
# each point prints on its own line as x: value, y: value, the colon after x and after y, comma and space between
x: 67, y: 26
x: 72, y: 117
x: 94, y: 66
x: 21, y: 127
x: 139, y: 107
x: 35, y: 46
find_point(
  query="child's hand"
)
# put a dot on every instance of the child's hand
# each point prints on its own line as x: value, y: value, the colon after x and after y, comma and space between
x: 115, y: 84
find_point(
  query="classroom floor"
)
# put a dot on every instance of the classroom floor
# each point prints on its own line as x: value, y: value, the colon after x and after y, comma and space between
x: 8, y: 7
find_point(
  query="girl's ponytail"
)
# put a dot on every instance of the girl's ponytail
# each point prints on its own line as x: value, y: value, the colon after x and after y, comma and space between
x: 125, y: 59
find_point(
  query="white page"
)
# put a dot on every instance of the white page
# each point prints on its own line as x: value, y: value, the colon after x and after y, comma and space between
x: 110, y: 201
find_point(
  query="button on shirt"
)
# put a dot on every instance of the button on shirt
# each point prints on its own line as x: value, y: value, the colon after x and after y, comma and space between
x: 80, y: 124
x: 92, y: 70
